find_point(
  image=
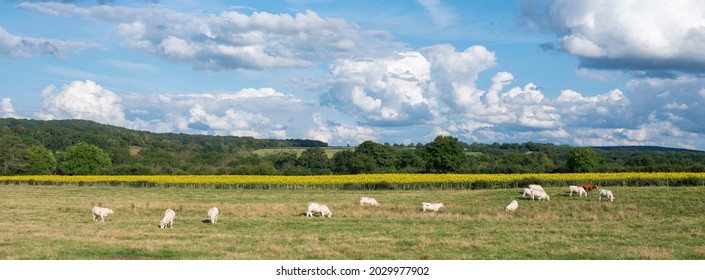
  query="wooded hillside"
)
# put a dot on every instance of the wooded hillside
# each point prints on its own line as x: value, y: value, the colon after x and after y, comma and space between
x: 41, y: 147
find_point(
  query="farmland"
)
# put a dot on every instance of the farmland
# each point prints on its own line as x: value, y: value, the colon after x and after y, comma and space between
x: 54, y: 222
x: 370, y: 181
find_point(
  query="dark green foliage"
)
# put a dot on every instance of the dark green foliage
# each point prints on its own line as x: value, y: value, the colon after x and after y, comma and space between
x: 341, y: 161
x: 584, y: 160
x: 362, y: 164
x: 12, y: 149
x: 314, y: 159
x: 85, y: 159
x: 444, y: 155
x: 384, y: 157
x: 39, y: 161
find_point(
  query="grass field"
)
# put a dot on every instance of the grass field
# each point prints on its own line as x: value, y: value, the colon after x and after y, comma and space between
x: 54, y: 222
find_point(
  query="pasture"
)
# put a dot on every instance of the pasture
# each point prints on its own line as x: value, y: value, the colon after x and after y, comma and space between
x: 55, y: 222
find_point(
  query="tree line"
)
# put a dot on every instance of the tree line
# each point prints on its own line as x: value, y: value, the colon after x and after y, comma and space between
x: 74, y: 147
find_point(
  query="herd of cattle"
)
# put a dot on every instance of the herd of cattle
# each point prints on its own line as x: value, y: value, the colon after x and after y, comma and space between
x: 536, y: 191
x: 533, y: 192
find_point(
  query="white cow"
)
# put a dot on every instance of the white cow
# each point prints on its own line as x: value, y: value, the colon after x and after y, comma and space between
x: 577, y: 189
x: 101, y: 212
x: 606, y: 194
x: 540, y: 195
x: 368, y: 200
x: 512, y: 206
x: 318, y: 208
x: 536, y: 187
x: 168, y: 220
x: 527, y: 193
x: 431, y: 206
x: 213, y: 214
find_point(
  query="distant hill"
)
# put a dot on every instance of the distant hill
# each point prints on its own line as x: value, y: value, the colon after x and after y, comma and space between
x: 59, y: 134
x: 140, y: 152
x: 642, y: 149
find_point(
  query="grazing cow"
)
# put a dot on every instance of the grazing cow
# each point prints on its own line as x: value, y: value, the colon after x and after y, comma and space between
x: 318, y: 208
x: 368, y: 200
x: 588, y: 187
x: 536, y: 187
x: 168, y: 220
x: 101, y: 212
x: 607, y: 194
x: 512, y: 206
x: 527, y: 193
x: 577, y: 189
x: 213, y: 214
x: 540, y: 195
x: 431, y: 206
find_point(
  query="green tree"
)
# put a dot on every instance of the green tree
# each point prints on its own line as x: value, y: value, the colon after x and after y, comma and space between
x: 446, y: 154
x: 314, y: 159
x: 583, y: 160
x: 362, y: 164
x: 384, y: 156
x: 410, y: 160
x: 85, y: 159
x: 341, y: 161
x: 11, y: 154
x: 39, y: 160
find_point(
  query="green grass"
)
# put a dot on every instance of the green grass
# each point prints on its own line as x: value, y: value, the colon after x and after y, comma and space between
x: 54, y: 222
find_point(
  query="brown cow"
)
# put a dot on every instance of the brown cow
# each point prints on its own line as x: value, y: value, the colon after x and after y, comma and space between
x: 588, y: 187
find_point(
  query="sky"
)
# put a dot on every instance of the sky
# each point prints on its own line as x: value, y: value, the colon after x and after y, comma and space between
x: 581, y: 73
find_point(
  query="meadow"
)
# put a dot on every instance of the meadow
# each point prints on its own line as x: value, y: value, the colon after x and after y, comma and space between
x: 55, y: 222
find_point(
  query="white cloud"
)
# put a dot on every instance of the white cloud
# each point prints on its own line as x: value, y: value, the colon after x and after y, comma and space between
x: 678, y: 101
x: 339, y: 134
x: 236, y: 123
x: 7, y: 109
x: 173, y: 46
x: 82, y: 100
x: 18, y: 46
x: 627, y: 34
x: 382, y: 91
x: 231, y: 39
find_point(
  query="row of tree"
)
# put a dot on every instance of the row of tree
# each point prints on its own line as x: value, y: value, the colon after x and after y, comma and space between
x: 82, y: 147
x: 79, y: 159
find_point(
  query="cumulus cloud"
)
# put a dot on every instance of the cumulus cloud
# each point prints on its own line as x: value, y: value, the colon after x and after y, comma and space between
x: 436, y: 88
x: 339, y: 134
x: 387, y: 91
x: 82, y: 100
x: 7, y: 110
x: 231, y: 39
x: 236, y: 123
x: 677, y: 101
x: 18, y: 46
x: 628, y: 35
x: 260, y: 113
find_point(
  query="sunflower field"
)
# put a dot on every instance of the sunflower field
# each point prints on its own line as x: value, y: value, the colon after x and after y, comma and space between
x: 369, y: 181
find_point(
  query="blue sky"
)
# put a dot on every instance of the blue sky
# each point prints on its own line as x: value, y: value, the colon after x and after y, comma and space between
x: 590, y: 72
